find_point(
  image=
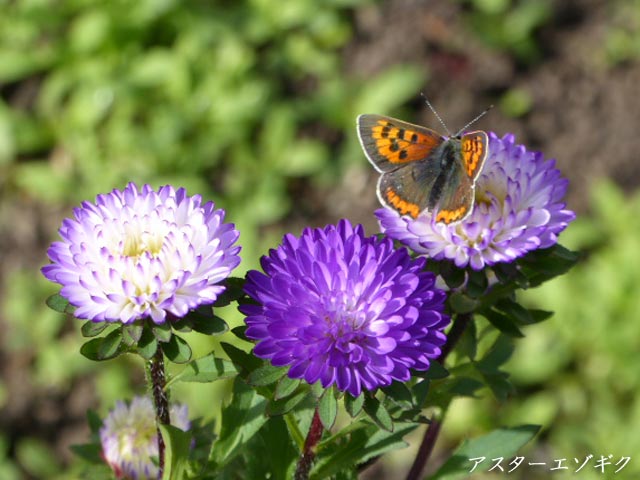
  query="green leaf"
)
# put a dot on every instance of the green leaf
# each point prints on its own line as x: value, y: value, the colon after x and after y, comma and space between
x: 132, y: 333
x: 538, y: 316
x: 545, y: 264
x: 266, y: 375
x: 353, y: 405
x: 162, y: 331
x: 91, y: 329
x: 477, y: 284
x: 378, y: 413
x: 60, y: 304
x: 177, y: 350
x: 241, y: 420
x: 504, y: 442
x: 213, y: 325
x: 94, y: 422
x: 148, y: 344
x: 465, y: 386
x: 285, y: 387
x: 502, y: 322
x: 399, y: 394
x: 436, y: 371
x: 110, y: 345
x: 177, y: 444
x: 462, y: 303
x: 90, y: 452
x: 514, y: 310
x: 244, y: 362
x: 285, y: 405
x: 233, y: 292
x: 328, y: 408
x: 90, y: 349
x: 365, y: 444
x: 468, y: 344
x: 452, y: 275
x: 497, y: 355
x: 206, y: 369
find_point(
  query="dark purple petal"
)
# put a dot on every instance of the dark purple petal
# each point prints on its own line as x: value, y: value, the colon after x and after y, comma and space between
x: 344, y: 309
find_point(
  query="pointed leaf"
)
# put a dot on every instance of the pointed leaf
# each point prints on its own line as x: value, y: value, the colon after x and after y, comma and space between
x: 377, y: 413
x: 244, y: 362
x: 162, y: 331
x: 353, y: 405
x: 365, y: 444
x: 91, y: 329
x: 285, y: 387
x: 176, y: 451
x: 110, y: 346
x: 148, y: 344
x: 60, y: 304
x: 266, y: 375
x: 285, y: 405
x: 233, y: 292
x: 328, y: 409
x: 90, y: 452
x: 94, y: 421
x: 208, y: 325
x: 241, y: 420
x: 177, y: 350
x: 462, y: 303
x: 132, y: 333
x: 504, y: 442
x: 90, y: 349
x: 399, y: 394
x: 206, y: 369
x: 503, y: 323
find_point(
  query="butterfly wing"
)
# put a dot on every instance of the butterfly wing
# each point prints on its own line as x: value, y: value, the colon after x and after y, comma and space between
x: 456, y: 202
x: 474, y: 149
x: 457, y: 198
x: 407, y: 189
x: 390, y: 143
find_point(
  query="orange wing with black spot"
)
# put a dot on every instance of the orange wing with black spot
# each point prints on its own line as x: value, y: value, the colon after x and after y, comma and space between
x: 390, y: 143
x: 474, y: 147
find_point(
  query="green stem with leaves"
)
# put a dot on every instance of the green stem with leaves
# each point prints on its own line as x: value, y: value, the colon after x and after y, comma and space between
x: 431, y: 434
x: 157, y: 378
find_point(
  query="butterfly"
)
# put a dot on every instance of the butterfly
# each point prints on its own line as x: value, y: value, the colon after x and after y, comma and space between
x: 422, y: 170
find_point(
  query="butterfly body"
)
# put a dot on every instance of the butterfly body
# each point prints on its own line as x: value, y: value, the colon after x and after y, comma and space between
x: 422, y: 170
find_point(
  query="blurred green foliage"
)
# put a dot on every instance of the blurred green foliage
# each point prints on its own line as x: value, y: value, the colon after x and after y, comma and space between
x: 622, y: 40
x: 243, y: 101
x: 510, y: 25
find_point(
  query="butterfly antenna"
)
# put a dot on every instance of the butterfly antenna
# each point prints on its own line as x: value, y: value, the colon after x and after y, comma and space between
x: 486, y: 110
x: 436, y: 113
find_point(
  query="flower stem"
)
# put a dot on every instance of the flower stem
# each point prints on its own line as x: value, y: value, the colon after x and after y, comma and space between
x: 308, y: 453
x: 431, y: 434
x: 160, y: 401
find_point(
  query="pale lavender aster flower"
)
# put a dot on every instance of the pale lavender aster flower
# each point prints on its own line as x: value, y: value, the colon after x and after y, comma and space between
x: 139, y: 253
x: 345, y: 309
x: 129, y: 437
x: 518, y: 207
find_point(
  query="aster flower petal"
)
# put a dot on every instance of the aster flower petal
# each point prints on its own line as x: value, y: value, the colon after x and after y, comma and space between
x: 345, y: 309
x: 518, y: 208
x: 139, y: 253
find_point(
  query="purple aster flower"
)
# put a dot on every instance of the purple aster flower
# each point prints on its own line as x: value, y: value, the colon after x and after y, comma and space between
x: 139, y: 253
x: 129, y: 437
x: 345, y: 309
x: 518, y: 208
